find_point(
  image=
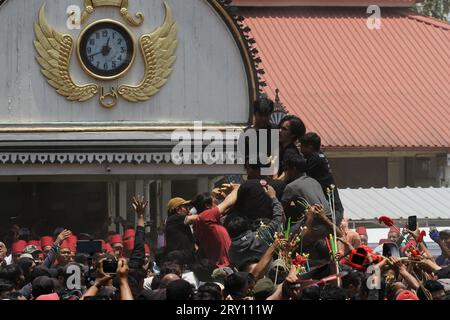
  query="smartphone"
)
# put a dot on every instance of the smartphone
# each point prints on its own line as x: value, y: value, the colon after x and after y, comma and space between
x: 110, y: 266
x: 412, y: 223
x: 391, y: 250
x: 89, y: 246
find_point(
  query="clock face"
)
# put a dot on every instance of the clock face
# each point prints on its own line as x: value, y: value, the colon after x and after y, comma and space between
x: 106, y: 49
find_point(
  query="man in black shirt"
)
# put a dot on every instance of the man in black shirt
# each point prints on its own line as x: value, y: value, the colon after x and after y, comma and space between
x: 252, y: 200
x: 292, y: 129
x: 179, y: 236
x: 262, y: 127
x: 318, y: 167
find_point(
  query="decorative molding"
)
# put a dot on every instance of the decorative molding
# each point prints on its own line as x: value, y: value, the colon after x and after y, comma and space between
x: 252, y: 51
x: 39, y: 158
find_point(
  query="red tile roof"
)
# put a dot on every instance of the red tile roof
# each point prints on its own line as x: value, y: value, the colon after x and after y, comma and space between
x: 359, y: 88
x: 353, y: 3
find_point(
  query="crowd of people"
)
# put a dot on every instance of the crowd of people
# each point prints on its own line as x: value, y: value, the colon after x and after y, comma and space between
x: 280, y: 237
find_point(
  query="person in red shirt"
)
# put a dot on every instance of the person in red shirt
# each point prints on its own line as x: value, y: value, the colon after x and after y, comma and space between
x: 211, y: 235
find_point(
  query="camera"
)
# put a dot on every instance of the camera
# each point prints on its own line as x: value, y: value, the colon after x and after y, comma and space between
x: 110, y: 266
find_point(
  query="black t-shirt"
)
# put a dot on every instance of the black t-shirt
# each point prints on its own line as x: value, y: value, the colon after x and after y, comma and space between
x: 286, y: 153
x: 318, y: 167
x: 252, y: 200
x: 178, y: 235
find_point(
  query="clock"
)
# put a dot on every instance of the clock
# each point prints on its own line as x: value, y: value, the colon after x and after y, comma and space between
x: 106, y: 49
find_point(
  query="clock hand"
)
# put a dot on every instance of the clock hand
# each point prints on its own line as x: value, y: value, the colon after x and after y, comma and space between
x: 91, y: 55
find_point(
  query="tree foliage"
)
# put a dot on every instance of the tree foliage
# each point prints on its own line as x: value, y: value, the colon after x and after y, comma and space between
x: 435, y: 8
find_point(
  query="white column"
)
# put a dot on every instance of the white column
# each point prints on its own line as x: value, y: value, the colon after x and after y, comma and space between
x: 147, y: 209
x: 112, y: 205
x: 139, y: 187
x: 166, y: 195
x: 158, y: 203
x: 123, y: 201
x: 202, y: 185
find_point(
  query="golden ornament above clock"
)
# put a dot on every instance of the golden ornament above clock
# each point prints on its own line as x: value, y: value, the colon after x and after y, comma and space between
x: 106, y: 50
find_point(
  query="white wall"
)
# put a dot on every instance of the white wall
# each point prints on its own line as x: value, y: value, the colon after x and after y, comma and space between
x: 208, y: 82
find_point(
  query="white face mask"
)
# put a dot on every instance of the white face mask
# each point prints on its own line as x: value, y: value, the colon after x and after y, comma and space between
x: 193, y: 211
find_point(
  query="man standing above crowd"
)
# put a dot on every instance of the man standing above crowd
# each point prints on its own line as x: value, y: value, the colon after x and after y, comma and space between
x: 318, y: 167
x: 291, y: 130
x: 261, y: 130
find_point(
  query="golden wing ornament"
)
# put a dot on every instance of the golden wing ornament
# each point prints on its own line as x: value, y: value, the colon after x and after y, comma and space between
x: 54, y: 51
x: 158, y: 49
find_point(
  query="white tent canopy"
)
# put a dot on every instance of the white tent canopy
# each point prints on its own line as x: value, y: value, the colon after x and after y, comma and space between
x: 396, y: 203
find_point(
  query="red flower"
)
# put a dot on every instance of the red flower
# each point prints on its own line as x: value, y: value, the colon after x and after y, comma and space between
x: 299, y: 260
x: 421, y: 235
x: 415, y: 252
x: 386, y: 220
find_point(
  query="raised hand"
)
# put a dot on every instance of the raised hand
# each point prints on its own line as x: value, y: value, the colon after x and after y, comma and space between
x: 63, y: 236
x: 122, y: 268
x: 139, y: 204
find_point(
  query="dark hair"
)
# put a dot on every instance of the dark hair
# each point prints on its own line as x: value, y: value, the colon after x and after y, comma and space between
x: 332, y: 292
x: 353, y: 278
x: 237, y: 226
x: 11, y: 273
x: 25, y: 264
x: 39, y: 272
x: 42, y: 285
x: 208, y: 291
x: 236, y: 284
x: 13, y: 295
x: 177, y: 256
x: 433, y: 285
x: 296, y: 161
x: 81, y: 258
x: 179, y: 290
x: 6, y: 286
x: 203, y: 270
x: 246, y: 263
x: 296, y: 126
x: 201, y: 201
x: 170, y: 267
x: 443, y: 273
x: 311, y: 139
x: 160, y: 256
x: 263, y: 106
x: 310, y: 293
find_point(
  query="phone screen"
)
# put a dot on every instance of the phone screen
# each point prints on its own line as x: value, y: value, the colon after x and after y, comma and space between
x: 412, y: 223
